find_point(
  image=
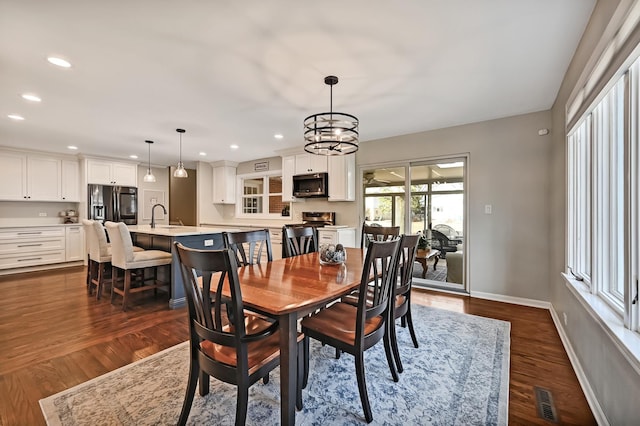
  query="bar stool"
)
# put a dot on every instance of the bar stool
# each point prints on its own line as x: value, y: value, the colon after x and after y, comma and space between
x: 125, y: 258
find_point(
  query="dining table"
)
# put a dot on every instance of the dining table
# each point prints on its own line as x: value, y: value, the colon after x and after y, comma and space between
x: 288, y: 289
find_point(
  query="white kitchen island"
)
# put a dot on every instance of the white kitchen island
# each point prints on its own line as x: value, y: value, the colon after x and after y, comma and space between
x: 162, y: 237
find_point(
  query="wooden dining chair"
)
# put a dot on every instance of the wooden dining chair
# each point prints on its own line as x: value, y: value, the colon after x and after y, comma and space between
x: 250, y: 247
x: 239, y: 354
x: 377, y: 233
x: 354, y: 329
x: 299, y: 240
x: 402, y: 294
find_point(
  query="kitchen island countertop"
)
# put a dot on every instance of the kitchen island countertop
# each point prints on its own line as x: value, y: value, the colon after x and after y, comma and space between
x: 177, y: 230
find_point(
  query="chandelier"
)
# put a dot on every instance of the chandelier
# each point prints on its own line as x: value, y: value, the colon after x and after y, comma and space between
x: 331, y: 133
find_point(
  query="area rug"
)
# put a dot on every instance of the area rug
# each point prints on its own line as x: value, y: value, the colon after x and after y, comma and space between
x: 439, y: 274
x: 458, y: 376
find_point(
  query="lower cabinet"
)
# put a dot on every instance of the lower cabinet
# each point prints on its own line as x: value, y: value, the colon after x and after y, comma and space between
x: 73, y: 243
x: 344, y: 236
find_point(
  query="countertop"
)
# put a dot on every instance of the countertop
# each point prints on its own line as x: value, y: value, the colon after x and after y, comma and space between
x: 35, y: 225
x: 177, y: 230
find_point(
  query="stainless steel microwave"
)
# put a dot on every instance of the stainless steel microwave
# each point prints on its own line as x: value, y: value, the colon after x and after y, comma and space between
x: 311, y: 185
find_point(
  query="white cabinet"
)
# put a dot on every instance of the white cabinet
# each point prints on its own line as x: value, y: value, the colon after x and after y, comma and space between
x: 344, y: 236
x: 32, y: 246
x: 43, y: 178
x: 342, y: 177
x: 13, y: 176
x: 288, y: 170
x: 70, y: 180
x: 224, y: 183
x: 275, y: 235
x: 310, y: 163
x: 110, y: 173
x: 73, y: 243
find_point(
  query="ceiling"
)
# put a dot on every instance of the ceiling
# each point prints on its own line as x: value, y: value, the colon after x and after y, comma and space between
x: 240, y: 72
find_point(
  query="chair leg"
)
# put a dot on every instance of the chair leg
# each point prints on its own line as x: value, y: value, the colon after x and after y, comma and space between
x: 265, y: 379
x: 387, y: 350
x: 300, y: 376
x: 338, y: 352
x: 411, y: 330
x: 127, y: 287
x: 114, y: 282
x: 241, y: 408
x: 89, y: 275
x: 394, y: 347
x: 403, y: 322
x: 204, y: 383
x: 362, y: 387
x: 101, y: 268
x: 305, y: 345
x: 189, y: 394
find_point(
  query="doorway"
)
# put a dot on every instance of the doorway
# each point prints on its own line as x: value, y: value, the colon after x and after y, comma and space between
x: 426, y: 197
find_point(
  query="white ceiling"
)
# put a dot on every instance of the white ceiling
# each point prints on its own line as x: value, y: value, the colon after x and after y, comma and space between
x: 237, y: 72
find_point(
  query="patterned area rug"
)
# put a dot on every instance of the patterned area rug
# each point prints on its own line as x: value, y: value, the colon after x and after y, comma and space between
x: 440, y: 273
x: 458, y: 376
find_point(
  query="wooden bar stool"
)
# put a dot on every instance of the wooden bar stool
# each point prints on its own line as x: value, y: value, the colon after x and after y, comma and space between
x: 124, y: 258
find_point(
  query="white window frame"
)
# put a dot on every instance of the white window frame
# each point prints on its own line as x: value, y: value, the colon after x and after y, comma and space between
x: 265, y: 195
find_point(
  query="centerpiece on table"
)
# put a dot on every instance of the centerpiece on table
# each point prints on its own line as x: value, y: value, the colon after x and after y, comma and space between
x: 332, y: 254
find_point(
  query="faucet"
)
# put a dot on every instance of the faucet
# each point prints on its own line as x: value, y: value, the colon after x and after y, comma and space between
x: 153, y: 214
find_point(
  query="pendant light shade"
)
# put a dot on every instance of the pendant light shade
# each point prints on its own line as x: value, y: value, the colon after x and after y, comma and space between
x: 149, y: 177
x: 180, y: 171
x: 331, y: 133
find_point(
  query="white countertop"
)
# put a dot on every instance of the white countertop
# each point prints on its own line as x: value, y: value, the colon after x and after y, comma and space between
x: 177, y: 230
x: 5, y: 225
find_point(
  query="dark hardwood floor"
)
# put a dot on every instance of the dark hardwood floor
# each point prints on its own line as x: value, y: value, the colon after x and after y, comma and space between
x: 53, y: 336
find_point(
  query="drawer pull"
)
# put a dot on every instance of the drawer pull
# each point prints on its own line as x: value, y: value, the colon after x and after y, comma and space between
x: 30, y: 245
x: 30, y: 233
x: 28, y: 259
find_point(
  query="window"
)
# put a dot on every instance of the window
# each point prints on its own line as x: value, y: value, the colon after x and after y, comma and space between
x: 602, y: 216
x: 261, y: 196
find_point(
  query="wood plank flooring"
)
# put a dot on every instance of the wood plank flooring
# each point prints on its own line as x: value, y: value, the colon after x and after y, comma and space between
x: 54, y: 336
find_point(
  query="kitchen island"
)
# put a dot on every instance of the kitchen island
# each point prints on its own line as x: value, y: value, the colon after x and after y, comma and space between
x: 162, y: 237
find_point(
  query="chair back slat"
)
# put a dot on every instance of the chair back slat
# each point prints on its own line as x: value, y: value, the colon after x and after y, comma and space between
x: 248, y: 246
x: 299, y: 240
x: 408, y: 252
x: 377, y: 233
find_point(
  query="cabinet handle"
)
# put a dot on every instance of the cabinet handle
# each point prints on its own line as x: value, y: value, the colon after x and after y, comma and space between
x: 30, y: 258
x: 30, y: 233
x: 30, y: 245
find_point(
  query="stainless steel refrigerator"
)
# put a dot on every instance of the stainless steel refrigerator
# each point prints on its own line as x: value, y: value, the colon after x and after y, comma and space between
x: 113, y: 203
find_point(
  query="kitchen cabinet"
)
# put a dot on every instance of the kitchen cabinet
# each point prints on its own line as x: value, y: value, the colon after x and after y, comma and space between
x: 224, y: 183
x: 13, y: 176
x: 43, y: 178
x: 342, y: 177
x: 73, y: 243
x: 112, y: 173
x: 345, y: 236
x: 288, y: 170
x: 70, y: 180
x: 32, y: 246
x: 310, y: 163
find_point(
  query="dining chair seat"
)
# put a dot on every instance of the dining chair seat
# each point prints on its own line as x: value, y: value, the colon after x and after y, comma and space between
x: 339, y: 322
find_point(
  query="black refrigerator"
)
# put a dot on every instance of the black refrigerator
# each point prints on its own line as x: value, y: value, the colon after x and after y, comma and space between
x: 113, y: 203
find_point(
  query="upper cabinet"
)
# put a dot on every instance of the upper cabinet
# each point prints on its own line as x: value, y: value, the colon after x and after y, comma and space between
x: 288, y: 170
x: 310, y: 163
x: 224, y: 182
x: 111, y: 173
x: 342, y: 177
x: 38, y: 178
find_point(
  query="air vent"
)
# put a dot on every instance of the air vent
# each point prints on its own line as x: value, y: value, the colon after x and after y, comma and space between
x: 545, y: 405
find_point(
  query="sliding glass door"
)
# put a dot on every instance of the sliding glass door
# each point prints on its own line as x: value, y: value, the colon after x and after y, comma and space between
x: 434, y: 193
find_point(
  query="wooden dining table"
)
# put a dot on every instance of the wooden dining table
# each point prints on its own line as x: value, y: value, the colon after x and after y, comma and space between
x: 288, y: 289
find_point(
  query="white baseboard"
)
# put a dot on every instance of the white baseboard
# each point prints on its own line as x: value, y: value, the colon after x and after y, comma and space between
x: 582, y: 378
x: 534, y: 303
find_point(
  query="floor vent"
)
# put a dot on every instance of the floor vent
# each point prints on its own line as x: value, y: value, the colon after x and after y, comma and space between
x: 545, y: 405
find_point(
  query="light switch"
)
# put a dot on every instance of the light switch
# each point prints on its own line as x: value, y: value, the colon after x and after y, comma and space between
x: 487, y: 209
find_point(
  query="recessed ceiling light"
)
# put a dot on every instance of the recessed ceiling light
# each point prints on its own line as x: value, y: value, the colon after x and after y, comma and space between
x: 72, y: 147
x: 133, y: 156
x: 59, y: 62
x: 234, y: 146
x: 278, y: 136
x: 15, y: 117
x: 202, y: 153
x: 31, y: 97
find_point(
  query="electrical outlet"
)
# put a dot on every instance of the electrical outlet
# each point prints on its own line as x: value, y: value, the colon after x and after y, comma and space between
x: 208, y: 243
x: 564, y: 318
x: 42, y: 214
x: 488, y: 209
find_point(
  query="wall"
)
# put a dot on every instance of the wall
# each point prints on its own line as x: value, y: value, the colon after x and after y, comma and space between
x: 28, y: 212
x: 509, y: 169
x: 161, y: 184
x: 614, y: 382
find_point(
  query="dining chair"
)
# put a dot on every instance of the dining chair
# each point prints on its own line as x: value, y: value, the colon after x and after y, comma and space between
x: 299, y: 240
x: 402, y: 294
x: 124, y: 258
x: 377, y: 233
x: 240, y: 354
x: 248, y: 246
x: 354, y: 329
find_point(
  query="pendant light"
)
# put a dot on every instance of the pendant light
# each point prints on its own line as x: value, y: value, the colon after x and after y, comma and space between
x: 331, y: 133
x: 149, y: 177
x: 180, y: 171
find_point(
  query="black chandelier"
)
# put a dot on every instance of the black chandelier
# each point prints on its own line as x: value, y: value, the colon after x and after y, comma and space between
x: 331, y: 133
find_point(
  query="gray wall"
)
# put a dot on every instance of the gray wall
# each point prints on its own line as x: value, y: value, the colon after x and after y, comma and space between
x: 161, y: 184
x: 614, y: 382
x: 509, y: 169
